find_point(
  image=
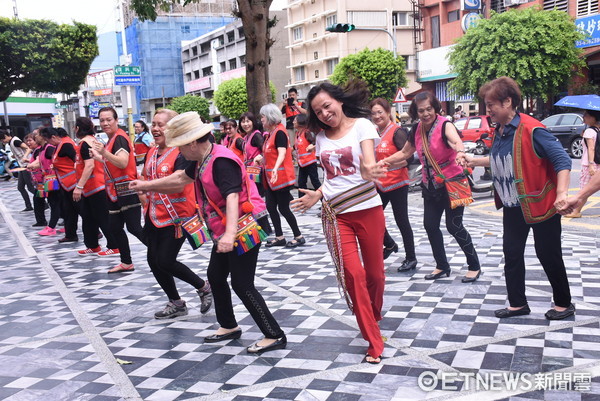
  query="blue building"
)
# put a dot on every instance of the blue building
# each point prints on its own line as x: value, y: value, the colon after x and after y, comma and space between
x: 156, y: 47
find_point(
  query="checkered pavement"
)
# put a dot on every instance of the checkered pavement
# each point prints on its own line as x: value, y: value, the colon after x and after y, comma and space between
x: 65, y: 323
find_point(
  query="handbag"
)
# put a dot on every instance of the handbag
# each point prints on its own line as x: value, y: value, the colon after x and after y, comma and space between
x: 253, y: 173
x: 195, y: 231
x: 51, y: 183
x: 40, y: 192
x: 457, y: 187
x: 249, y: 232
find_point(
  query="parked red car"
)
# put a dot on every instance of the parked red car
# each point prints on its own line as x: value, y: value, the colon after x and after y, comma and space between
x: 471, y: 128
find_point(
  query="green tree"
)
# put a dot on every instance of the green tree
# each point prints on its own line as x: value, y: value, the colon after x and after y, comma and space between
x: 232, y: 98
x: 256, y: 23
x: 44, y: 56
x: 191, y: 103
x: 534, y: 47
x: 383, y: 73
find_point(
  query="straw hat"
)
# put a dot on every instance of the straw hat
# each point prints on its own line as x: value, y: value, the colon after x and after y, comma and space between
x: 185, y: 128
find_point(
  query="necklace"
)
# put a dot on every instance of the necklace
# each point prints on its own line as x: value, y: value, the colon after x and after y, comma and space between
x: 205, y: 155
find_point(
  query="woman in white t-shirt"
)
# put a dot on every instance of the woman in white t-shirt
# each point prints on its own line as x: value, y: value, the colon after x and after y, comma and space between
x: 352, y: 213
x: 588, y: 166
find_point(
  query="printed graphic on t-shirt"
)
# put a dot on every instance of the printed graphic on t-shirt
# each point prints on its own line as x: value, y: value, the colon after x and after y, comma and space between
x: 338, y: 162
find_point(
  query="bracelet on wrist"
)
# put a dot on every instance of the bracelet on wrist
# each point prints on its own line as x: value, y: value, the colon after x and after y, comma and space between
x: 460, y: 151
x: 78, y: 187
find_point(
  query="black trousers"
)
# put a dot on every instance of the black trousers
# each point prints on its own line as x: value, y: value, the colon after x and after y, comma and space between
x: 163, y: 249
x: 39, y: 205
x: 25, y: 184
x: 304, y: 173
x: 548, y: 249
x: 94, y: 216
x: 242, y: 269
x: 69, y: 212
x: 399, y: 200
x: 435, y: 204
x: 117, y: 221
x: 54, y: 202
x: 280, y: 200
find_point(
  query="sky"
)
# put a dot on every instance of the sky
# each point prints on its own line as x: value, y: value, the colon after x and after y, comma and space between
x: 101, y: 13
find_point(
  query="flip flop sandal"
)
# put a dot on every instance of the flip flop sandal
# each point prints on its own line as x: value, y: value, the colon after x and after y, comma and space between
x: 120, y: 268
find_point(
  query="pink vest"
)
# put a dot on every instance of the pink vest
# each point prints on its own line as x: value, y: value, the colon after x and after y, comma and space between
x: 250, y: 152
x: 46, y: 163
x: 444, y: 155
x: 209, y: 189
x: 36, y: 174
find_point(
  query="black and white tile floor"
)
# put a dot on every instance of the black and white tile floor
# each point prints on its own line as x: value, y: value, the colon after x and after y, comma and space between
x: 65, y: 324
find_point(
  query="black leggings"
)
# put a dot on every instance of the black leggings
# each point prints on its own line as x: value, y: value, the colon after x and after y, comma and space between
x: 399, y: 199
x: 69, y: 212
x: 434, y: 207
x: 242, y: 269
x: 24, y: 181
x: 304, y: 173
x: 94, y: 215
x: 54, y: 202
x: 117, y: 220
x: 39, y: 205
x: 280, y: 199
x: 163, y: 249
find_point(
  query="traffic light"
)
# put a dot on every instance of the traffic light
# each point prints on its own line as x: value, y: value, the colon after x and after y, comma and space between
x: 343, y: 28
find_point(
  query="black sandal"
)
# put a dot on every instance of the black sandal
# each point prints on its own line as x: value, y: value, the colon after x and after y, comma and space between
x: 276, y: 242
x: 296, y: 242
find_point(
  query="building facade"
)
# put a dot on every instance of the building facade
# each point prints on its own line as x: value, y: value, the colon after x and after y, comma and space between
x: 445, y: 21
x: 314, y: 52
x: 220, y: 55
x: 155, y: 46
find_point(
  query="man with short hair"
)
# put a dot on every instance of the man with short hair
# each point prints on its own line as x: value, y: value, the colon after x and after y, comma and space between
x: 20, y: 152
x: 291, y: 108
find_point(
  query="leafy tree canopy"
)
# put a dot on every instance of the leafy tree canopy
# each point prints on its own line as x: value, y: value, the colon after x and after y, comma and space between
x: 44, y: 56
x: 232, y: 98
x: 383, y: 73
x: 534, y: 47
x: 191, y: 103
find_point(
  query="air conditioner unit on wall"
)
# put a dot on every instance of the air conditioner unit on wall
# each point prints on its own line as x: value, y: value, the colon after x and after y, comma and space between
x: 512, y: 3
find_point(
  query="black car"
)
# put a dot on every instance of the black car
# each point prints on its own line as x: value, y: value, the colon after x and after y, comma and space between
x: 567, y: 127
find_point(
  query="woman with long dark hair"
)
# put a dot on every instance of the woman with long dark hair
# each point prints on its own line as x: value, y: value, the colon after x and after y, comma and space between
x: 352, y: 213
x: 254, y: 140
x: 90, y: 191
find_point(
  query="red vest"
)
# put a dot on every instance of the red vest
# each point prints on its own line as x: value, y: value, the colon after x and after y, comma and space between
x: 183, y: 203
x: 64, y: 166
x: 230, y: 143
x: 396, y: 177
x: 118, y: 175
x: 305, y: 158
x: 95, y: 183
x: 208, y: 188
x: 535, y: 178
x: 286, y: 175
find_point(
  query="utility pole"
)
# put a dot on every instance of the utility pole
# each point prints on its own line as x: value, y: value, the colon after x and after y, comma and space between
x: 6, y: 120
x: 126, y: 61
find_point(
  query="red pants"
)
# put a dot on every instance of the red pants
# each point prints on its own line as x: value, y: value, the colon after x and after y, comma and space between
x: 365, y: 284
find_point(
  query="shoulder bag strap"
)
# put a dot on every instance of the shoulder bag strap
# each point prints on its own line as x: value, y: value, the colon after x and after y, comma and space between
x: 428, y: 154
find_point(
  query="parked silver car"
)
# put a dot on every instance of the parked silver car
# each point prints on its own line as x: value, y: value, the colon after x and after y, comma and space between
x: 567, y: 127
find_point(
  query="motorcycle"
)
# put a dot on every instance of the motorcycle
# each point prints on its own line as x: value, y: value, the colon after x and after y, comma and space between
x: 486, y: 185
x: 414, y: 172
x: 7, y: 163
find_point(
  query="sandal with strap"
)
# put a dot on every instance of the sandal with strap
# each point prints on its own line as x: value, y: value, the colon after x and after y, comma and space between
x: 373, y: 360
x: 295, y: 242
x: 276, y: 242
x: 121, y: 268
